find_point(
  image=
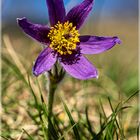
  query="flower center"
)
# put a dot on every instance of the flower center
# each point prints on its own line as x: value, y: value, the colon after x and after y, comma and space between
x: 64, y: 38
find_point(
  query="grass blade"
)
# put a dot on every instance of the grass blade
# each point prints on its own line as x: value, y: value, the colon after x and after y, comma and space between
x: 61, y: 138
x: 75, y: 130
x: 89, y: 125
x: 131, y: 96
x: 52, y: 130
x: 30, y: 137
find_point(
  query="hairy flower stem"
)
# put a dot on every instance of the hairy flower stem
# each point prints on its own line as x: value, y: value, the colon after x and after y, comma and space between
x: 55, y: 76
x: 51, y: 92
x: 52, y: 85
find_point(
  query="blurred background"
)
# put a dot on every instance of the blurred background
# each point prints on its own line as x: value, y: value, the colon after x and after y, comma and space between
x: 108, y: 18
x: 36, y: 10
x: 118, y: 67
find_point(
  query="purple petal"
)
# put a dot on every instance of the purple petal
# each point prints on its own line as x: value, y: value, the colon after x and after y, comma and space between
x: 44, y: 62
x: 78, y: 14
x: 82, y: 69
x: 95, y: 44
x: 56, y: 11
x: 36, y: 31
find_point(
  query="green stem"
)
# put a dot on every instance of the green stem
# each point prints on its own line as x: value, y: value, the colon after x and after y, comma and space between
x: 51, y: 91
x: 53, y: 80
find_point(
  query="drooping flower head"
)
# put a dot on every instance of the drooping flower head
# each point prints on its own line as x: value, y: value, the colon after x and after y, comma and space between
x: 63, y: 41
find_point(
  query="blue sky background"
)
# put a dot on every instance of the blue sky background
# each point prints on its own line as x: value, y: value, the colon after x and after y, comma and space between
x: 37, y: 10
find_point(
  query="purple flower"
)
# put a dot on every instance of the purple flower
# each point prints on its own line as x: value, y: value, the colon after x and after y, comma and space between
x: 64, y: 42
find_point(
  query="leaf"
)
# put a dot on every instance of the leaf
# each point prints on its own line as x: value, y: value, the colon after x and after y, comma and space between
x: 75, y: 130
x: 30, y: 137
x: 52, y: 130
x: 89, y: 125
x: 67, y: 131
x: 131, y: 96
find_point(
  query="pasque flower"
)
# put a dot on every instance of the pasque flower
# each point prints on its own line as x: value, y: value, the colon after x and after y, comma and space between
x: 63, y: 42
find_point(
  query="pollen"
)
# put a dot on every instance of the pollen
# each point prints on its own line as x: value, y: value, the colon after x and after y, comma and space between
x: 64, y: 38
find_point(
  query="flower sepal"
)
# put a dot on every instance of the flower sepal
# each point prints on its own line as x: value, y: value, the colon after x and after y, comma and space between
x: 56, y: 75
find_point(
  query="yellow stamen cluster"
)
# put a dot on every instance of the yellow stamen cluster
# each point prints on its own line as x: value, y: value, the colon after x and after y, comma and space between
x: 64, y: 38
